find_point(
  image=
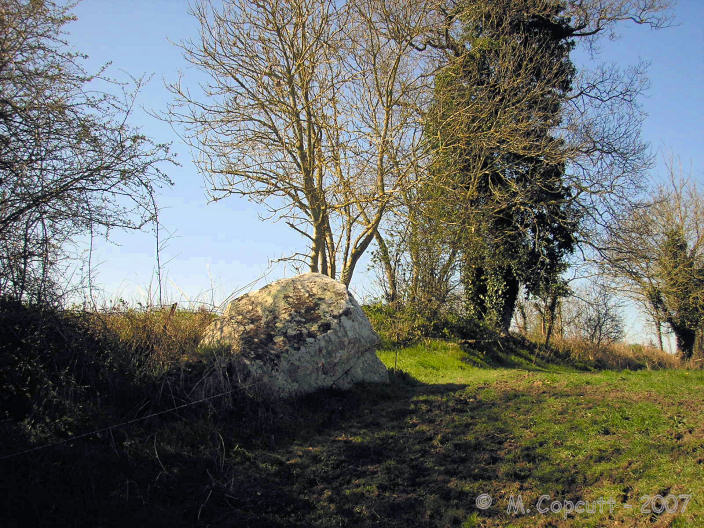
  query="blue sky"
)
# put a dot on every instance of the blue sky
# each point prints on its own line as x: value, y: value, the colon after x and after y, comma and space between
x: 222, y: 245
x: 225, y: 246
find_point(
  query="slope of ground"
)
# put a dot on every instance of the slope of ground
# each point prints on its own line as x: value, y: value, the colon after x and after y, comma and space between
x: 418, y: 452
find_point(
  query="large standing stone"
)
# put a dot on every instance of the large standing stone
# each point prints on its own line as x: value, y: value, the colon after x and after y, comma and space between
x: 298, y: 335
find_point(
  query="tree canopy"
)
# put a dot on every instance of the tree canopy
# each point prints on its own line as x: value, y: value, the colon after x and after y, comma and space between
x: 531, y: 158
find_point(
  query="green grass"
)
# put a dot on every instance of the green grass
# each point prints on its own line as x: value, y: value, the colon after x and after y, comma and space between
x: 436, y: 361
x: 431, y: 362
x: 571, y: 434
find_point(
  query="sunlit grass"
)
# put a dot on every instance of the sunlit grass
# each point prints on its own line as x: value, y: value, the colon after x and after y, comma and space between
x: 575, y: 435
x: 433, y: 361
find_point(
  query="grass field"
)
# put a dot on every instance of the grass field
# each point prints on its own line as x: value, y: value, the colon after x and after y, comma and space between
x: 573, y: 435
x: 453, y: 424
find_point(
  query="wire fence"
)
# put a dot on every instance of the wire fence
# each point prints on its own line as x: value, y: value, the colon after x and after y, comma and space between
x: 123, y: 424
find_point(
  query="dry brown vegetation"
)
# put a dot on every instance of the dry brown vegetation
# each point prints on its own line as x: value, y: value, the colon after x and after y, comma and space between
x: 617, y: 356
x: 170, y: 335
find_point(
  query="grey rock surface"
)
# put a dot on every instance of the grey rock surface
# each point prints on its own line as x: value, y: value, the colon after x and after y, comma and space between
x: 296, y: 336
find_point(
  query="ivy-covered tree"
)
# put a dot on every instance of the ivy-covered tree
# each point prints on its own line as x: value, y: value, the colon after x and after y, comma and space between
x: 497, y: 104
x: 680, y: 293
x: 531, y: 158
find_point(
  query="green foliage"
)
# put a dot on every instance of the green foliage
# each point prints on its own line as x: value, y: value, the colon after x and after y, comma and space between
x: 472, y: 521
x: 49, y: 359
x: 402, y: 325
x: 502, y: 167
x: 680, y: 292
x: 62, y: 371
x: 399, y: 325
x: 656, y: 249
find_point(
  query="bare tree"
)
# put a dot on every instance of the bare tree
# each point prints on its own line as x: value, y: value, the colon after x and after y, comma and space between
x: 69, y: 162
x: 593, y: 17
x: 599, y: 319
x: 312, y: 109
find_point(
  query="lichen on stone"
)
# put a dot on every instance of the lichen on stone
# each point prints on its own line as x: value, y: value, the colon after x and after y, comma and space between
x: 298, y: 333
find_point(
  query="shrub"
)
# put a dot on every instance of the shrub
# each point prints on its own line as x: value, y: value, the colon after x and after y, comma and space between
x: 402, y: 325
x: 56, y: 367
x: 62, y: 371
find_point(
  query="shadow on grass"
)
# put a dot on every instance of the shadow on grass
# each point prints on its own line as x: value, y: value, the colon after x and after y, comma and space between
x: 207, y: 466
x: 396, y: 455
x: 518, y: 352
x: 418, y: 459
x: 422, y: 458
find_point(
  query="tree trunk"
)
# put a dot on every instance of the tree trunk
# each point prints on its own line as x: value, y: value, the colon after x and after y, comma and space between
x: 509, y: 301
x: 523, y: 319
x: 389, y: 270
x: 315, y: 250
x: 332, y: 250
x: 658, y: 331
x: 475, y: 291
x: 550, y: 312
x: 685, y: 340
